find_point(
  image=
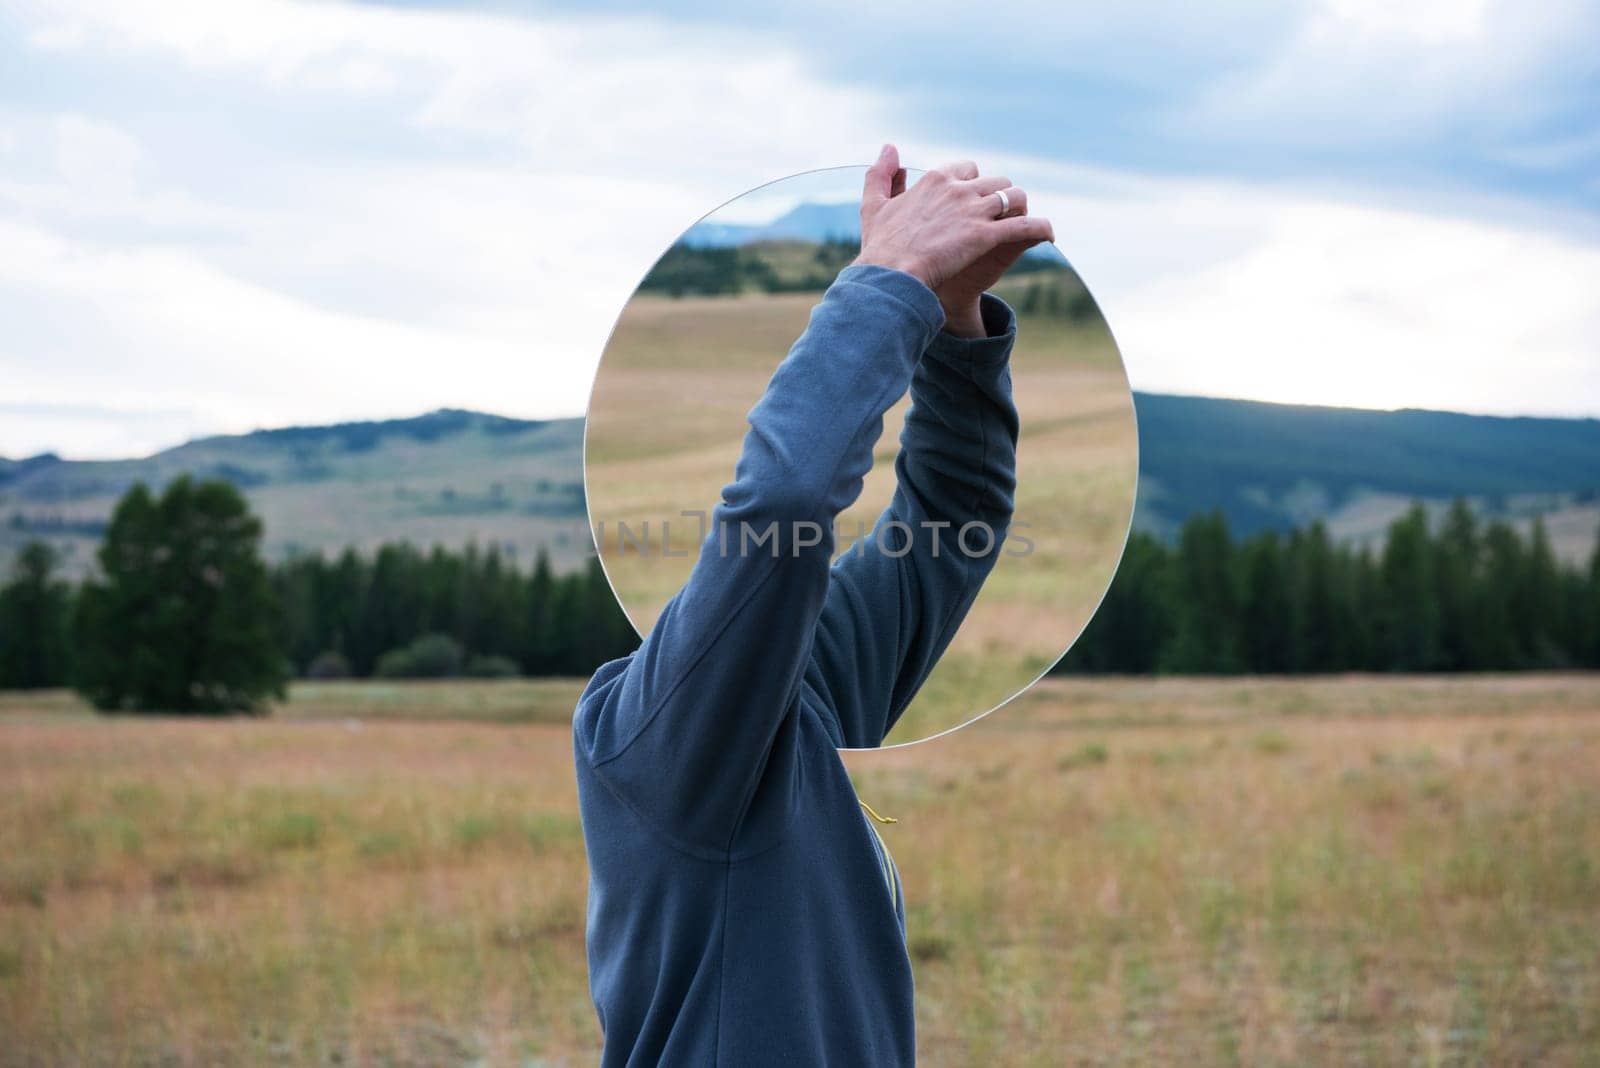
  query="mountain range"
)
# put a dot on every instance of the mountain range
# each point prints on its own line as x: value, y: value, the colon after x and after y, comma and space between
x: 453, y: 476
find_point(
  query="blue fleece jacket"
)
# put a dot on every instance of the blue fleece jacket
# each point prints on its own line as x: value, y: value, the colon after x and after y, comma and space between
x: 742, y: 907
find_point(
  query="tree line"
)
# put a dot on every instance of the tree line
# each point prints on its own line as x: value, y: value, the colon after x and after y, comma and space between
x: 708, y: 270
x: 386, y: 613
x: 1054, y: 298
x: 1464, y: 596
x: 183, y: 614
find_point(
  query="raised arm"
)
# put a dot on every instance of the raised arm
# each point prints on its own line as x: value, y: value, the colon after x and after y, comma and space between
x: 682, y: 727
x: 897, y: 596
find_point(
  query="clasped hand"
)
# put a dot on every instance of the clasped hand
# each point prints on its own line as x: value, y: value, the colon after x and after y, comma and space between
x: 947, y: 230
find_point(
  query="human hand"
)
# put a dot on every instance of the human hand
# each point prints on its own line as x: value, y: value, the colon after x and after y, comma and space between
x: 944, y: 230
x: 960, y: 295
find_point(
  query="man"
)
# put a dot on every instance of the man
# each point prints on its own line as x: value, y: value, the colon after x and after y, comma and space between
x: 742, y: 907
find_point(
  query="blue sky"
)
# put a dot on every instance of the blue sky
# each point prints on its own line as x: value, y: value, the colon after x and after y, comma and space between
x: 215, y: 217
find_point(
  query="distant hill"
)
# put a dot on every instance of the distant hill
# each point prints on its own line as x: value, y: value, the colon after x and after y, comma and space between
x: 803, y: 222
x: 447, y: 477
x: 1280, y: 465
x: 454, y: 476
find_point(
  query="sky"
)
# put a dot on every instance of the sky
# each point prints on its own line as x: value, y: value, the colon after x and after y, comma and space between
x: 218, y: 217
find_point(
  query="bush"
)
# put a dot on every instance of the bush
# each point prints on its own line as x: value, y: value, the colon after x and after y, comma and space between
x: 432, y: 656
x: 331, y: 664
x: 493, y: 667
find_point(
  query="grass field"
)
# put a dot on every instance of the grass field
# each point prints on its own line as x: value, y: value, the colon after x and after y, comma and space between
x: 1338, y: 870
x: 667, y: 419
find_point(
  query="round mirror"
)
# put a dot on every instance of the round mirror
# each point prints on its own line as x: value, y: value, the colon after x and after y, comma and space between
x: 693, y: 351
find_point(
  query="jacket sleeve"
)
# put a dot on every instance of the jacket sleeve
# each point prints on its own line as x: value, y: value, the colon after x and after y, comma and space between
x: 682, y: 729
x: 898, y: 594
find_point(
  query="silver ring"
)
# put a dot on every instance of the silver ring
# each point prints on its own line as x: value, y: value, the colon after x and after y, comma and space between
x: 1005, y: 203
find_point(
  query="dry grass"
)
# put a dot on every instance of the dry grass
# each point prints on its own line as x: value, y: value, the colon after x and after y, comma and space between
x: 667, y: 419
x: 1347, y: 870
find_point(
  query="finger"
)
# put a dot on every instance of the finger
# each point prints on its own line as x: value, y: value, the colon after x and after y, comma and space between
x: 988, y: 184
x: 961, y: 168
x: 990, y: 206
x: 898, y: 186
x: 880, y: 177
x: 1016, y: 202
x: 1031, y: 228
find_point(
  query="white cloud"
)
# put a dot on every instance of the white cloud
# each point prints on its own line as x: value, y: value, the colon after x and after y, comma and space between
x: 1374, y: 72
x: 165, y: 328
x: 450, y: 209
x: 94, y: 158
x: 398, y: 276
x: 1422, y: 21
x: 1247, y: 291
x: 574, y: 93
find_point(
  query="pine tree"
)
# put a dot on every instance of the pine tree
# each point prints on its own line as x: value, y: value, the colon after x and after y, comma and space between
x: 1134, y: 621
x: 35, y: 615
x: 1265, y: 612
x: 1207, y: 602
x: 1590, y: 651
x: 182, y: 618
x: 538, y: 656
x: 1410, y: 612
x: 1541, y: 609
x: 1497, y: 599
x: 1456, y: 583
x: 1312, y: 628
x: 1030, y: 302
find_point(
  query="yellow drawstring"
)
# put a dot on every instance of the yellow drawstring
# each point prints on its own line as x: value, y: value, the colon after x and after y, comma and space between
x: 874, y: 815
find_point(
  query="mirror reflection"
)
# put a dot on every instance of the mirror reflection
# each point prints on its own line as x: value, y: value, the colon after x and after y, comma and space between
x: 693, y: 351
